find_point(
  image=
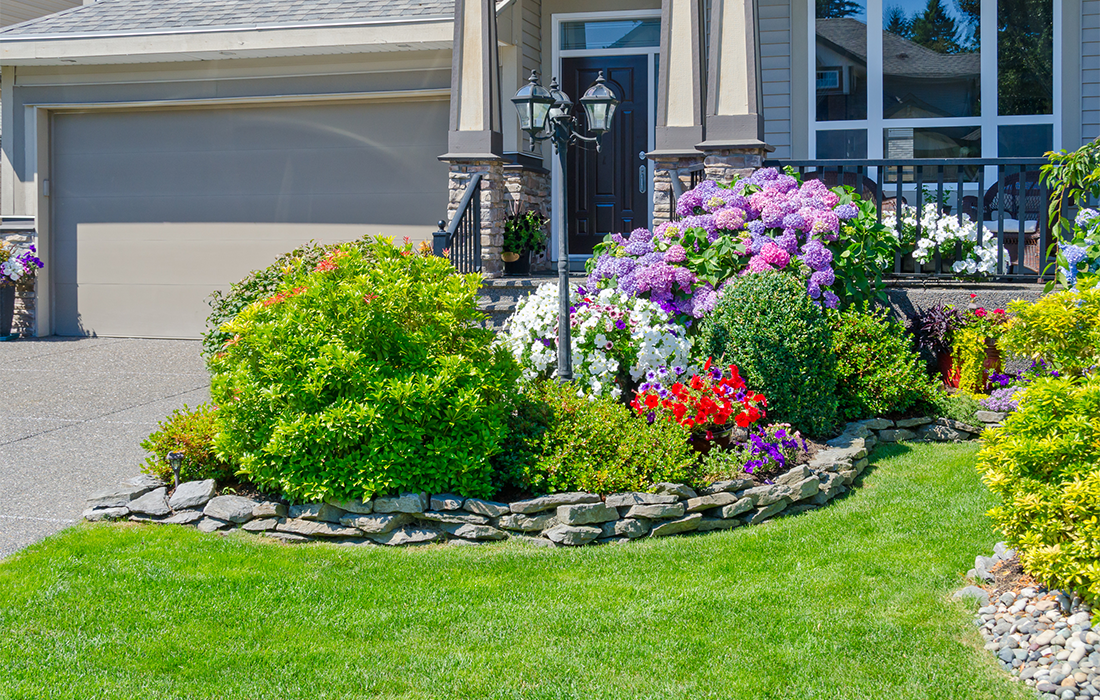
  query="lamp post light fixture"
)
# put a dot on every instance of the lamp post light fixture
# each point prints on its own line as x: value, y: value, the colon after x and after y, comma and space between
x: 175, y: 461
x: 551, y: 111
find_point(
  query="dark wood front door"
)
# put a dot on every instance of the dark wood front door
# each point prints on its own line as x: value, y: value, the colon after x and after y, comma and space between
x: 608, y: 191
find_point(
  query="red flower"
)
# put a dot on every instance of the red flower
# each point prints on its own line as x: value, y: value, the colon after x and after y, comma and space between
x: 325, y: 265
x: 651, y: 401
x: 679, y: 410
x: 370, y: 297
x: 980, y: 313
x: 973, y: 296
x: 706, y: 366
x: 999, y: 312
x: 743, y: 420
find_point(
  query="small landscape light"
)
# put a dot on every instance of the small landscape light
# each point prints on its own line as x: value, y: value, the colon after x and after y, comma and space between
x: 175, y: 460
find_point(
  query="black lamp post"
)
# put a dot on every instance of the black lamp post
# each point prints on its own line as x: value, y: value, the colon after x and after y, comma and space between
x: 551, y: 111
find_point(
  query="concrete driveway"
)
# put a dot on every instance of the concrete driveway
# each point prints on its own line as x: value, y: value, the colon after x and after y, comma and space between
x: 72, y: 414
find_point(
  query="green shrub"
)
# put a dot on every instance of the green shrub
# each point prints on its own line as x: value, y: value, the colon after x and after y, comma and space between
x: 1044, y: 463
x: 779, y: 338
x: 877, y: 370
x: 528, y: 423
x: 192, y: 433
x: 957, y: 406
x: 367, y: 374
x: 1063, y: 328
x: 599, y: 445
x: 260, y: 285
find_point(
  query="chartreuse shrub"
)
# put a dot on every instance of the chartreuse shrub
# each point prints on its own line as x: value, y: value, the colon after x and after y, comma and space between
x: 1044, y: 463
x: 365, y: 374
x: 1062, y: 329
x: 779, y: 338
x: 878, y: 371
x: 190, y: 432
x: 566, y: 442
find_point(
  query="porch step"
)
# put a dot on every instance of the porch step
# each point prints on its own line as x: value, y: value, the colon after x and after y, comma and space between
x: 500, y: 295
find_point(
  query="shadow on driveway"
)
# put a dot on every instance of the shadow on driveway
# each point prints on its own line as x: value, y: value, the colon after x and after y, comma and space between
x: 73, y: 413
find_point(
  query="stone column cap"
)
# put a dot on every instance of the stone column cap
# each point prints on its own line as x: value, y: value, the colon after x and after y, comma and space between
x: 728, y: 144
x: 471, y: 156
x: 674, y: 153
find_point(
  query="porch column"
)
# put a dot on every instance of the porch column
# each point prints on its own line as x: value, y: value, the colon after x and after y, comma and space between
x: 734, y: 115
x: 474, y: 142
x: 679, y: 101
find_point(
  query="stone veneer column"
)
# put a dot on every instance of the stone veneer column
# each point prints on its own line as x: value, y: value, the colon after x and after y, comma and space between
x: 25, y: 319
x: 492, y: 207
x: 726, y: 163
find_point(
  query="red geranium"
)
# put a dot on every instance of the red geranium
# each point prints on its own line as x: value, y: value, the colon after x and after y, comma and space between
x: 708, y: 400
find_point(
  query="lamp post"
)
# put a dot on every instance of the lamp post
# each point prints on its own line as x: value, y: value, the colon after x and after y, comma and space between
x: 550, y: 111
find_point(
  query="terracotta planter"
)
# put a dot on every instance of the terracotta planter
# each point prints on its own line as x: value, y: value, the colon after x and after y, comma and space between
x: 992, y: 363
x: 948, y: 372
x: 7, y: 310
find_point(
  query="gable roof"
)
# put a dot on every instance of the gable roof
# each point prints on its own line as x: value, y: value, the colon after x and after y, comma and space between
x: 122, y: 17
x: 900, y: 57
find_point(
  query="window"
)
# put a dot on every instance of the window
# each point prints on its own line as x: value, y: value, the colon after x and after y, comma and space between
x: 906, y: 78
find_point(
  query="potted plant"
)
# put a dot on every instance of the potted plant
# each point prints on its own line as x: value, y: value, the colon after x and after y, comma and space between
x: 524, y: 233
x: 974, y: 348
x: 934, y: 329
x: 17, y: 265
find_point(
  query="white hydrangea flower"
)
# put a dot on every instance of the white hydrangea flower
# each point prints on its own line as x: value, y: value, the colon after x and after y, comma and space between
x: 947, y: 231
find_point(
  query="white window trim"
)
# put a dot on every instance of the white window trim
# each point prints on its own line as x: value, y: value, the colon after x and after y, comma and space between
x: 875, y: 124
x: 557, y: 54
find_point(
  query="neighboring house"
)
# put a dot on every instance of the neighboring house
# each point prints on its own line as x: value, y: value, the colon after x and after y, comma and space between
x: 15, y: 11
x: 167, y: 147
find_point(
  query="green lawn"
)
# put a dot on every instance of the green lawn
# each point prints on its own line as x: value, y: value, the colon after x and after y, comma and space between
x: 852, y: 601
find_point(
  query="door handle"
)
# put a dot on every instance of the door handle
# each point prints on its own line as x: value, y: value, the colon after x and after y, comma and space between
x: 643, y: 176
x: 641, y: 155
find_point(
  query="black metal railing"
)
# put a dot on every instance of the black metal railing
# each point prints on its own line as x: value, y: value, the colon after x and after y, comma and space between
x: 695, y: 174
x: 1005, y: 196
x: 461, y: 240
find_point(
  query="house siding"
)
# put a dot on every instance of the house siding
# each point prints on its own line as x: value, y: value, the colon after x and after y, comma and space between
x: 775, y: 71
x: 1090, y: 70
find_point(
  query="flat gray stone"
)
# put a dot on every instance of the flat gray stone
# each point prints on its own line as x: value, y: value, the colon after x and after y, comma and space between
x: 468, y: 531
x: 714, y: 500
x: 537, y: 505
x: 729, y: 486
x: 625, y: 500
x: 941, y: 433
x: 376, y: 523
x: 982, y: 565
x: 990, y: 416
x: 896, y: 435
x: 972, y: 592
x: 316, y: 511
x: 586, y: 514
x: 446, y: 501
x: 656, y: 511
x: 913, y: 422
x: 154, y: 503
x: 629, y: 527
x: 317, y: 528
x: 877, y: 423
x: 235, y: 509
x: 184, y: 517
x: 829, y: 494
x: 743, y: 505
x: 356, y: 505
x: 708, y: 524
x: 571, y: 536
x: 768, y: 511
x: 212, y: 525
x: 959, y: 425
x: 794, y: 475
x: 490, y: 509
x: 454, y: 517
x: 688, y: 523
x: 269, y: 509
x: 408, y: 536
x: 405, y: 503
x: 681, y: 490
x: 767, y: 494
x: 528, y: 523
x: 95, y: 515
x: 145, y: 480
x: 288, y: 537
x: 807, y: 488
x: 117, y: 496
x: 261, y: 525
x: 192, y: 494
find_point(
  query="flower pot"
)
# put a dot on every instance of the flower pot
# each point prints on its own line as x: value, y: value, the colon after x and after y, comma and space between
x: 949, y: 373
x: 719, y: 439
x: 509, y: 257
x: 7, y: 309
x: 992, y: 362
x: 519, y: 266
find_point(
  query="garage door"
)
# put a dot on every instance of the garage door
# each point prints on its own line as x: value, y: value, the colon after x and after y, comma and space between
x: 153, y: 210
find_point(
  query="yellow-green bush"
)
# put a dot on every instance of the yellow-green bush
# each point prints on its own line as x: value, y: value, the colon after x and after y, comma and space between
x: 1044, y: 463
x: 1061, y: 328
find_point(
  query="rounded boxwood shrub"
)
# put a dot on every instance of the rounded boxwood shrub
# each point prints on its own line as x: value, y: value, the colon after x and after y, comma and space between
x: 878, y: 371
x: 766, y: 325
x: 368, y: 373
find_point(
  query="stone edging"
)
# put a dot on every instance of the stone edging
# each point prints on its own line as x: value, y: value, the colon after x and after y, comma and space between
x: 561, y: 519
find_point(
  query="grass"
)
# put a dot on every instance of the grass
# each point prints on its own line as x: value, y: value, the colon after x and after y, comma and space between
x: 851, y: 601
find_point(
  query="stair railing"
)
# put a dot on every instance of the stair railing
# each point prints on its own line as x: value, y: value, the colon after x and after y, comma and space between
x: 461, y: 240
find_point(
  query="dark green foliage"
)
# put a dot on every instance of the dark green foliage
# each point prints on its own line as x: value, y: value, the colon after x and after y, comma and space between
x: 878, y: 372
x: 367, y: 374
x: 528, y: 422
x: 862, y: 253
x: 257, y: 286
x: 192, y: 433
x: 958, y: 406
x: 575, y: 443
x: 779, y: 338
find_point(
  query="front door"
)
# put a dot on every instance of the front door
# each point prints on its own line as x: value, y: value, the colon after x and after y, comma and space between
x: 608, y: 192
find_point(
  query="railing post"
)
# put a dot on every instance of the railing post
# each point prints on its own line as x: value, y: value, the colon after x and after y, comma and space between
x: 439, y: 239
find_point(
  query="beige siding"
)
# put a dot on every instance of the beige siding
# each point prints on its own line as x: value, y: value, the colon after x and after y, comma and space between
x: 15, y: 11
x: 775, y: 62
x: 1090, y: 70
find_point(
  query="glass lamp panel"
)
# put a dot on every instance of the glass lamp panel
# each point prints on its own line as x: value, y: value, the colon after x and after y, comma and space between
x: 538, y: 117
x: 597, y: 116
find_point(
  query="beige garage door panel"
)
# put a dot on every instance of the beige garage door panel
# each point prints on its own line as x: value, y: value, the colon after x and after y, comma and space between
x: 154, y: 210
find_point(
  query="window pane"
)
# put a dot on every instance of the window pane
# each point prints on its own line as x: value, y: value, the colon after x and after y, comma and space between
x: 935, y: 142
x: 847, y: 143
x: 841, y: 60
x: 931, y: 58
x: 1025, y: 56
x: 611, y: 34
x: 1024, y: 140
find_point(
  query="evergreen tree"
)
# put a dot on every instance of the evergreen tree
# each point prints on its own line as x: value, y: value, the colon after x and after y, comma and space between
x: 897, y: 23
x: 832, y: 9
x: 936, y: 29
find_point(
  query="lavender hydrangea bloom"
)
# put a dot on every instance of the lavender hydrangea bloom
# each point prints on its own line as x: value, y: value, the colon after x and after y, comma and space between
x: 704, y: 301
x: 831, y: 300
x: 763, y: 176
x: 794, y: 220
x: 730, y: 219
x: 686, y: 205
x: 1085, y: 216
x: 1002, y: 400
x: 675, y: 254
x: 816, y: 255
x: 756, y: 228
x: 813, y: 289
x: 788, y: 242
x: 847, y: 211
x: 703, y: 221
x: 824, y: 278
